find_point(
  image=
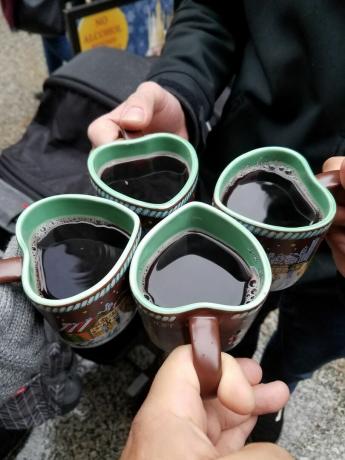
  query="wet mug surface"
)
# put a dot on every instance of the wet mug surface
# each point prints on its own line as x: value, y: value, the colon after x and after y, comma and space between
x: 99, y: 313
x: 210, y: 327
x: 289, y: 249
x: 145, y: 147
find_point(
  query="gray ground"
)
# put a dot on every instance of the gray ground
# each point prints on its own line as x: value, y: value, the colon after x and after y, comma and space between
x: 315, y: 422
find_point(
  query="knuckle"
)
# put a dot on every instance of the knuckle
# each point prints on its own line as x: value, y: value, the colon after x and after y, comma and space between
x: 92, y: 128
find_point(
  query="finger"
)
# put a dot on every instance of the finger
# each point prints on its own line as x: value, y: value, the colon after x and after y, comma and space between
x: 270, y: 397
x: 178, y: 370
x: 134, y: 114
x: 176, y: 388
x: 336, y: 241
x: 218, y: 416
x: 340, y: 216
x: 233, y: 439
x: 251, y: 369
x: 234, y: 391
x: 336, y: 163
x: 103, y: 130
x: 332, y: 163
x: 138, y: 110
x: 259, y: 451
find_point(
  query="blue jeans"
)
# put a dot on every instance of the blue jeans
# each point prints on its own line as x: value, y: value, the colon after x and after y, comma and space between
x: 311, y: 325
x: 57, y: 50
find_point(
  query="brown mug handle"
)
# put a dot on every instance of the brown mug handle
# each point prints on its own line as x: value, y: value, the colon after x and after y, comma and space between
x: 10, y: 270
x: 205, y: 339
x: 124, y: 133
x: 331, y: 180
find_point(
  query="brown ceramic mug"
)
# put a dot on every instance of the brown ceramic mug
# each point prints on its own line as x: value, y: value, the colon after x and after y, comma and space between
x: 289, y: 249
x: 99, y: 313
x: 135, y: 150
x: 210, y: 327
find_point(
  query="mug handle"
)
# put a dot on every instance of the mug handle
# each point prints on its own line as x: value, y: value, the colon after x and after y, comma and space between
x: 205, y: 339
x: 331, y: 180
x: 10, y: 269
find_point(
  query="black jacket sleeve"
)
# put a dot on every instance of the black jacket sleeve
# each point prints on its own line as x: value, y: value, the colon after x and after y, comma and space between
x: 200, y: 56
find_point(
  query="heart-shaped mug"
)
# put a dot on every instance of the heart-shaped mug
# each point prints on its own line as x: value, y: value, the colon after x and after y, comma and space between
x: 97, y: 314
x: 152, y: 175
x: 209, y: 326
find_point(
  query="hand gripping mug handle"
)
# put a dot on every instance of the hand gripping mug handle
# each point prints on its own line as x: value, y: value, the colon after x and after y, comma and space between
x: 205, y: 339
x: 204, y: 330
x: 10, y: 270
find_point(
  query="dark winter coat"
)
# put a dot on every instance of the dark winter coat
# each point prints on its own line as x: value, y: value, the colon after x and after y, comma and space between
x: 286, y: 62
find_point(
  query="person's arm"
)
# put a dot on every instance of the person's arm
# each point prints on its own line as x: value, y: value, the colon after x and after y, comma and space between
x: 38, y: 378
x: 202, y: 51
x: 174, y: 423
x: 22, y: 337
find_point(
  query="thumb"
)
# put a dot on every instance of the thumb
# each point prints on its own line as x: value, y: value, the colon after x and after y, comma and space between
x: 336, y: 163
x: 259, y: 451
x: 332, y: 163
x: 134, y: 114
x: 139, y: 109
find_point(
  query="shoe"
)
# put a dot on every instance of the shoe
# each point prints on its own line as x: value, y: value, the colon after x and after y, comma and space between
x: 11, y: 442
x: 267, y: 428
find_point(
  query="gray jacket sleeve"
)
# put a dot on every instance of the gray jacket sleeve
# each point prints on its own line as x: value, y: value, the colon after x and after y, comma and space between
x: 22, y: 337
x: 202, y: 52
x: 38, y: 372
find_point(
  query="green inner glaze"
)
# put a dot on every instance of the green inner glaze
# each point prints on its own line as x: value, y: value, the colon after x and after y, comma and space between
x: 61, y: 206
x: 199, y: 216
x: 320, y: 196
x: 147, y: 145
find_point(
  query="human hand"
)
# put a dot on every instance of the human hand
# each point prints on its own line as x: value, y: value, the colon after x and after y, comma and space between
x: 336, y: 234
x: 174, y: 423
x: 149, y: 109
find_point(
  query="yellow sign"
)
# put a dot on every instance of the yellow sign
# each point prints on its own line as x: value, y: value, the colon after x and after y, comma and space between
x: 107, y: 28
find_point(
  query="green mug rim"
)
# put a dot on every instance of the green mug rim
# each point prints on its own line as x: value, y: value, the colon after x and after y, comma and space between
x: 219, y: 190
x: 141, y: 299
x: 27, y: 256
x: 193, y: 173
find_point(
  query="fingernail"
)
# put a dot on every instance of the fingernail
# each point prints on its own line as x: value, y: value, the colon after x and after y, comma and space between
x: 135, y: 114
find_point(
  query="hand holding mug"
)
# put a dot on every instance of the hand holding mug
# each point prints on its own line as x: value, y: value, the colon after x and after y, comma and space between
x: 63, y: 238
x: 148, y: 110
x: 175, y: 423
x: 199, y: 277
x: 336, y: 235
x: 152, y: 175
x: 274, y: 193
